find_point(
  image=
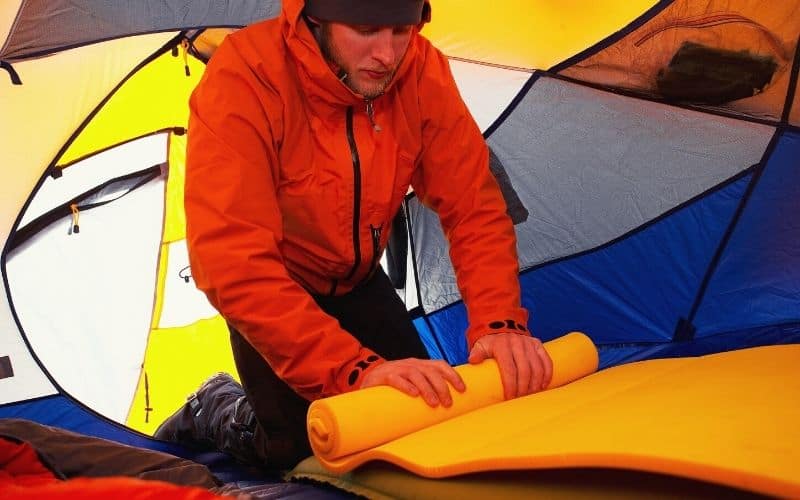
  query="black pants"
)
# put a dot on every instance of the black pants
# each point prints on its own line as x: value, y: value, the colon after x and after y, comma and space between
x: 373, y: 314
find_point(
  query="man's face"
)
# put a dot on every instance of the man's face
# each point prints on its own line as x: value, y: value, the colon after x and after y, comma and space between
x: 369, y: 55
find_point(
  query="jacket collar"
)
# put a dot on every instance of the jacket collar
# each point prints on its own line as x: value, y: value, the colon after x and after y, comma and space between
x: 315, y: 75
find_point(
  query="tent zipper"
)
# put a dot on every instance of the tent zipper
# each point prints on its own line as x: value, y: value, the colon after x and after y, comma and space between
x: 74, y: 228
x: 79, y: 204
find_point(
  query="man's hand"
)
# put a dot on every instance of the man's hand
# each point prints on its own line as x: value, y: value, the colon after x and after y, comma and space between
x: 417, y: 377
x: 525, y: 367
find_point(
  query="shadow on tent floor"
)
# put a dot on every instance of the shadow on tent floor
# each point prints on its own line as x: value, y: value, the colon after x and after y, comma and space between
x: 264, y: 485
x: 378, y: 480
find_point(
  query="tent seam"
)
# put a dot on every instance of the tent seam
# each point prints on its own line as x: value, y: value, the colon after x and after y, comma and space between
x: 410, y: 230
x: 180, y: 30
x: 791, y: 92
x: 607, y: 42
x: 64, y: 166
x: 680, y: 330
x: 643, y: 97
x: 512, y: 106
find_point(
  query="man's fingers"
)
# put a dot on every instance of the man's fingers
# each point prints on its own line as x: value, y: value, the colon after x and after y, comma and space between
x: 525, y: 367
x: 417, y: 377
x: 508, y: 370
x: 478, y: 353
x: 403, y: 384
x: 547, y: 364
x: 439, y: 384
x: 521, y: 353
x: 451, y: 376
x: 422, y: 383
x: 538, y: 380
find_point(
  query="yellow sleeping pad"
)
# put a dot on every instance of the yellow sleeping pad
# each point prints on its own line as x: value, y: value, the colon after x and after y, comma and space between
x: 728, y: 418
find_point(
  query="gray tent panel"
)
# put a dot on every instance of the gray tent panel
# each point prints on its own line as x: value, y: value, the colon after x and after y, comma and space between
x: 589, y: 166
x: 44, y: 26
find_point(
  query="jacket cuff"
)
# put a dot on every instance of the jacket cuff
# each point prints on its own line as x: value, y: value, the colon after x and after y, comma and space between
x: 509, y: 323
x: 353, y: 372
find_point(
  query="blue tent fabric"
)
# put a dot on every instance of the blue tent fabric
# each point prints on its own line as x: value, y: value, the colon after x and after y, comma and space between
x: 616, y: 354
x: 448, y: 325
x: 430, y: 341
x: 451, y: 321
x: 636, y: 289
x: 63, y: 412
x: 758, y: 279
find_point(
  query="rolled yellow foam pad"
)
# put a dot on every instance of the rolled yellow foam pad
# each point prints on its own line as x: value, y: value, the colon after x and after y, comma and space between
x: 729, y: 418
x: 349, y: 423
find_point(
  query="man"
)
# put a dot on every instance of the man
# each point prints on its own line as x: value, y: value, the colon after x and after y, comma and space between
x: 305, y: 134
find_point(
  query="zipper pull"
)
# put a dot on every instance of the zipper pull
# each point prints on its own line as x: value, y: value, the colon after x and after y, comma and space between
x: 376, y: 248
x: 376, y: 240
x: 371, y: 115
x: 185, y: 47
x: 376, y: 234
x: 74, y: 228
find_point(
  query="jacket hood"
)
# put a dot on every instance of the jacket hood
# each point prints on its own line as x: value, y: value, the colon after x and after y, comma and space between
x: 314, y: 72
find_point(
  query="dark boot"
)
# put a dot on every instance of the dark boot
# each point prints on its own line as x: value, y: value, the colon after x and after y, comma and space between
x: 217, y: 417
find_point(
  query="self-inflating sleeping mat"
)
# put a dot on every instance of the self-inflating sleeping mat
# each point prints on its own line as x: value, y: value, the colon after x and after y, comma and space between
x: 727, y: 418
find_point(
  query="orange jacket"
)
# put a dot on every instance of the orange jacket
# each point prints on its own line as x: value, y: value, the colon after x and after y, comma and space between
x: 291, y: 187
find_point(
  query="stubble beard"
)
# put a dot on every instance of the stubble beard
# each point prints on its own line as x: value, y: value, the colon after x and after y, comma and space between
x: 332, y: 54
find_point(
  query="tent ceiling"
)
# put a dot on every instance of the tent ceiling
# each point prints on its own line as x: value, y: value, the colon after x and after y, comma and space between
x: 519, y: 33
x: 531, y: 34
x: 8, y: 9
x: 47, y: 25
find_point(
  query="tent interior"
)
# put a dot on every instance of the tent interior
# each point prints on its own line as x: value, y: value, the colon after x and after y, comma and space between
x: 647, y: 151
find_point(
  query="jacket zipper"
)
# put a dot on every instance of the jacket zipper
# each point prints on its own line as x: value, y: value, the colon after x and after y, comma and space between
x: 371, y: 115
x: 376, y: 246
x: 356, y: 193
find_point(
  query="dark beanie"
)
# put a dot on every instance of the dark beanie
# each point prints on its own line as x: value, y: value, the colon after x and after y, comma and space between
x: 370, y: 12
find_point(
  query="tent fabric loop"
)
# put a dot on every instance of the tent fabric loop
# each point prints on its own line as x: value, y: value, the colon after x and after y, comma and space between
x: 185, y: 274
x: 11, y: 72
